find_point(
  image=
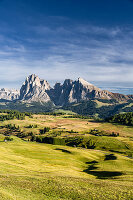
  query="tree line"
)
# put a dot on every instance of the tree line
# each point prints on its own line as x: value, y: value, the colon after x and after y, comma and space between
x: 13, y: 114
x: 124, y: 119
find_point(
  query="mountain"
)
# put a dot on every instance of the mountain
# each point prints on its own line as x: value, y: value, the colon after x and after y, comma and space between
x: 9, y: 94
x: 76, y: 91
x: 79, y: 96
x: 35, y: 89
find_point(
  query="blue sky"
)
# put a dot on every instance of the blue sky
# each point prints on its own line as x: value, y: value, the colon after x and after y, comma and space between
x: 58, y: 39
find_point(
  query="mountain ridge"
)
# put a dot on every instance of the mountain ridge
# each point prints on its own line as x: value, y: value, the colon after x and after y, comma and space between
x: 35, y: 89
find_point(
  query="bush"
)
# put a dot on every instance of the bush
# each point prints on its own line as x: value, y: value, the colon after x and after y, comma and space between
x: 33, y: 138
x: 30, y: 134
x: 8, y: 138
x: 44, y: 130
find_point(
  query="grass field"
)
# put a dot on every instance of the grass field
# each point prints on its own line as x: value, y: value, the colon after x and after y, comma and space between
x: 37, y: 171
x: 41, y: 171
x: 68, y: 124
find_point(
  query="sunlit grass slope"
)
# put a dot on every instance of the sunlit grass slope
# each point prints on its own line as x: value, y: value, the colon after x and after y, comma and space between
x: 59, y: 122
x: 32, y: 171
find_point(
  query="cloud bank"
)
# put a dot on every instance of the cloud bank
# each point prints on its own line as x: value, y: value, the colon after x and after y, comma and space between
x: 56, y: 51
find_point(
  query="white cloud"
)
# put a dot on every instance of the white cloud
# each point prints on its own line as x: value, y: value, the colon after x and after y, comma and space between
x: 92, y: 52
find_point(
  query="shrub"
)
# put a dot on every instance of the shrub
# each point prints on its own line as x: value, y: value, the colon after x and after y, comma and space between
x: 44, y: 130
x: 8, y: 138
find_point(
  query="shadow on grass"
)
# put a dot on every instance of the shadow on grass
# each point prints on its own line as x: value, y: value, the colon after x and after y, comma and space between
x: 92, y: 162
x: 105, y: 174
x: 91, y: 166
x: 110, y: 157
x: 63, y: 150
x: 115, y: 151
x: 100, y: 174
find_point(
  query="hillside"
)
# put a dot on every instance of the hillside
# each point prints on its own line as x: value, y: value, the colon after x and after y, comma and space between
x: 94, y: 108
x: 37, y: 170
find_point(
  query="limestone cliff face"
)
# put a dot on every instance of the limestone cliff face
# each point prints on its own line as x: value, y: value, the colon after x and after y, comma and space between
x: 34, y: 89
x: 9, y: 94
x: 76, y: 91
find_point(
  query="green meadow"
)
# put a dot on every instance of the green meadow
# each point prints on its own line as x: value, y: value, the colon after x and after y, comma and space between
x: 39, y: 171
x: 42, y: 171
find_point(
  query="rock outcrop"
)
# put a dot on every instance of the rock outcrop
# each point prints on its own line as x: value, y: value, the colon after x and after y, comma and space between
x: 76, y: 91
x: 9, y: 94
x: 34, y: 90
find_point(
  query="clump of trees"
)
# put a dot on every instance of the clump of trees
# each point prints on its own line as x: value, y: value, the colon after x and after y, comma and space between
x: 42, y: 139
x: 124, y: 119
x: 70, y: 141
x: 97, y: 132
x: 12, y: 114
x: 12, y: 127
x: 44, y: 130
x: 30, y: 134
x: 8, y: 138
x: 31, y: 126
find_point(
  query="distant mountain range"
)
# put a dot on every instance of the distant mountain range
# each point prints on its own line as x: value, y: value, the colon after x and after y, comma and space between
x: 9, y: 94
x: 35, y: 89
x: 79, y: 96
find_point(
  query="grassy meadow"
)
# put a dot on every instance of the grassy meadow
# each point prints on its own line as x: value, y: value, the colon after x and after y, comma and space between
x: 68, y: 124
x: 43, y: 171
x: 38, y: 171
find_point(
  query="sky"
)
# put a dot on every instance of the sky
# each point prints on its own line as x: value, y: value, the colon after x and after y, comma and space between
x: 60, y: 39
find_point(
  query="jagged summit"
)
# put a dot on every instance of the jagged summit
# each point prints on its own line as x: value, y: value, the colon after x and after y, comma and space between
x: 75, y: 91
x: 34, y: 89
x: 36, y: 81
x: 84, y: 82
x: 33, y: 79
x: 39, y: 90
x: 90, y: 87
x: 9, y: 94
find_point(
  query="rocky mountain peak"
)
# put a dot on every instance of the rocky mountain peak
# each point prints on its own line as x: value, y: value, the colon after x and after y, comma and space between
x: 9, y: 94
x: 84, y: 82
x: 38, y: 90
x: 33, y: 80
x: 57, y: 85
x: 34, y: 89
x: 67, y: 82
x: 87, y: 85
x: 45, y: 84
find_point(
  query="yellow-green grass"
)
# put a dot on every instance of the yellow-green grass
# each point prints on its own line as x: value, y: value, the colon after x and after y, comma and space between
x: 78, y: 125
x: 54, y: 122
x: 100, y: 104
x: 128, y: 106
x: 124, y: 131
x: 64, y: 111
x: 31, y: 171
x: 41, y: 171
